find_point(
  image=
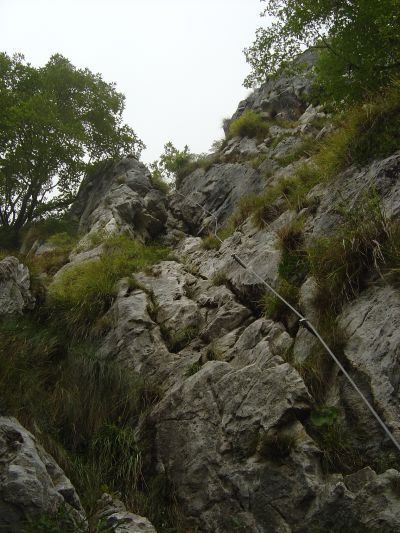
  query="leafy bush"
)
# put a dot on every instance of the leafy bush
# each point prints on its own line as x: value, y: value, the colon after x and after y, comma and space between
x: 250, y: 124
x: 83, y: 293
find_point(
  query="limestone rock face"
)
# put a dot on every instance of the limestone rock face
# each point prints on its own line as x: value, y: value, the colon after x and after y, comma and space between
x: 32, y: 485
x: 348, y: 188
x: 15, y: 295
x: 372, y: 325
x: 218, y: 190
x: 113, y: 515
x: 121, y: 198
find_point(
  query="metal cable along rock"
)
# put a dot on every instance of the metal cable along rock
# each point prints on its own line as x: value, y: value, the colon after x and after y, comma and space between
x: 302, y: 320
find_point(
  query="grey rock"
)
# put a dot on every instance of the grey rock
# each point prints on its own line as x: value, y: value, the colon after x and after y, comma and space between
x: 114, y: 515
x: 218, y: 190
x: 121, y: 198
x: 283, y: 96
x: 350, y: 186
x: 372, y: 323
x: 15, y: 295
x: 31, y: 483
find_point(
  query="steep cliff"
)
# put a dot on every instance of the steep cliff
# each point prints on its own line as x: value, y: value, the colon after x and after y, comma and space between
x: 253, y: 425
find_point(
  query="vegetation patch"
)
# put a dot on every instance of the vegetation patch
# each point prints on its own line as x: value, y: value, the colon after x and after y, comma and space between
x: 366, y: 243
x: 250, y: 124
x: 86, y: 412
x: 180, y: 339
x: 365, y: 132
x: 83, y: 293
x: 210, y: 242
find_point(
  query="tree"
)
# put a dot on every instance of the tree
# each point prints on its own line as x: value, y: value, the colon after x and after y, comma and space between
x: 55, y: 122
x: 173, y: 163
x: 359, y: 43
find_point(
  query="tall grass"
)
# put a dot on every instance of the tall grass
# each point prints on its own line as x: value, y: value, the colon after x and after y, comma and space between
x: 87, y: 412
x: 84, y: 292
x: 366, y: 244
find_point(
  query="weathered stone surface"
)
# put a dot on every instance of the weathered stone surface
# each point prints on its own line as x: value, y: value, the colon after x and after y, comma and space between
x: 121, y: 198
x: 352, y: 185
x: 257, y: 248
x: 283, y: 96
x: 206, y: 430
x: 218, y: 190
x: 15, y: 295
x: 31, y: 483
x: 368, y: 504
x: 114, y: 515
x: 372, y: 323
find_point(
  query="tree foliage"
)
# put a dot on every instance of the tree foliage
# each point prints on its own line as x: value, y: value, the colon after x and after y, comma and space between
x: 359, y: 43
x: 172, y: 162
x: 54, y: 122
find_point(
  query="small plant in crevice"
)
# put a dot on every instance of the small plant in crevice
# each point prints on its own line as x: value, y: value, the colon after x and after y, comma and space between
x: 178, y: 340
x: 220, y: 278
x: 316, y: 373
x: 339, y: 453
x: 62, y: 521
x: 273, y: 307
x: 276, y: 446
x: 210, y: 242
x: 193, y: 368
x: 306, y: 148
x: 324, y: 415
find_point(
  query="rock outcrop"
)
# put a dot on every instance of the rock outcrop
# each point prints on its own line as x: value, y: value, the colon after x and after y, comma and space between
x: 32, y: 485
x: 233, y: 430
x: 15, y: 295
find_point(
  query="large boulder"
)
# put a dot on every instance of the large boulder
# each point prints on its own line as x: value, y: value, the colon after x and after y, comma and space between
x: 15, y: 294
x: 121, y: 198
x: 32, y: 485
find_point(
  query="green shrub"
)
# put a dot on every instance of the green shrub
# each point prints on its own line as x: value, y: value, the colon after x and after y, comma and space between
x: 83, y: 293
x: 324, y: 416
x: 250, y: 124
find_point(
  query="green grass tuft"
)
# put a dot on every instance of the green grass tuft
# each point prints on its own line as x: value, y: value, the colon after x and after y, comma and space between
x: 250, y: 124
x: 83, y: 293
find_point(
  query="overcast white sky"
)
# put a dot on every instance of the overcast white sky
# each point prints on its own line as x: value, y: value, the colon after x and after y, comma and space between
x: 178, y: 62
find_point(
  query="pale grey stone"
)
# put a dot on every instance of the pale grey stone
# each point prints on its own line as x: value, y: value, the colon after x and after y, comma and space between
x: 31, y: 483
x: 15, y: 295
